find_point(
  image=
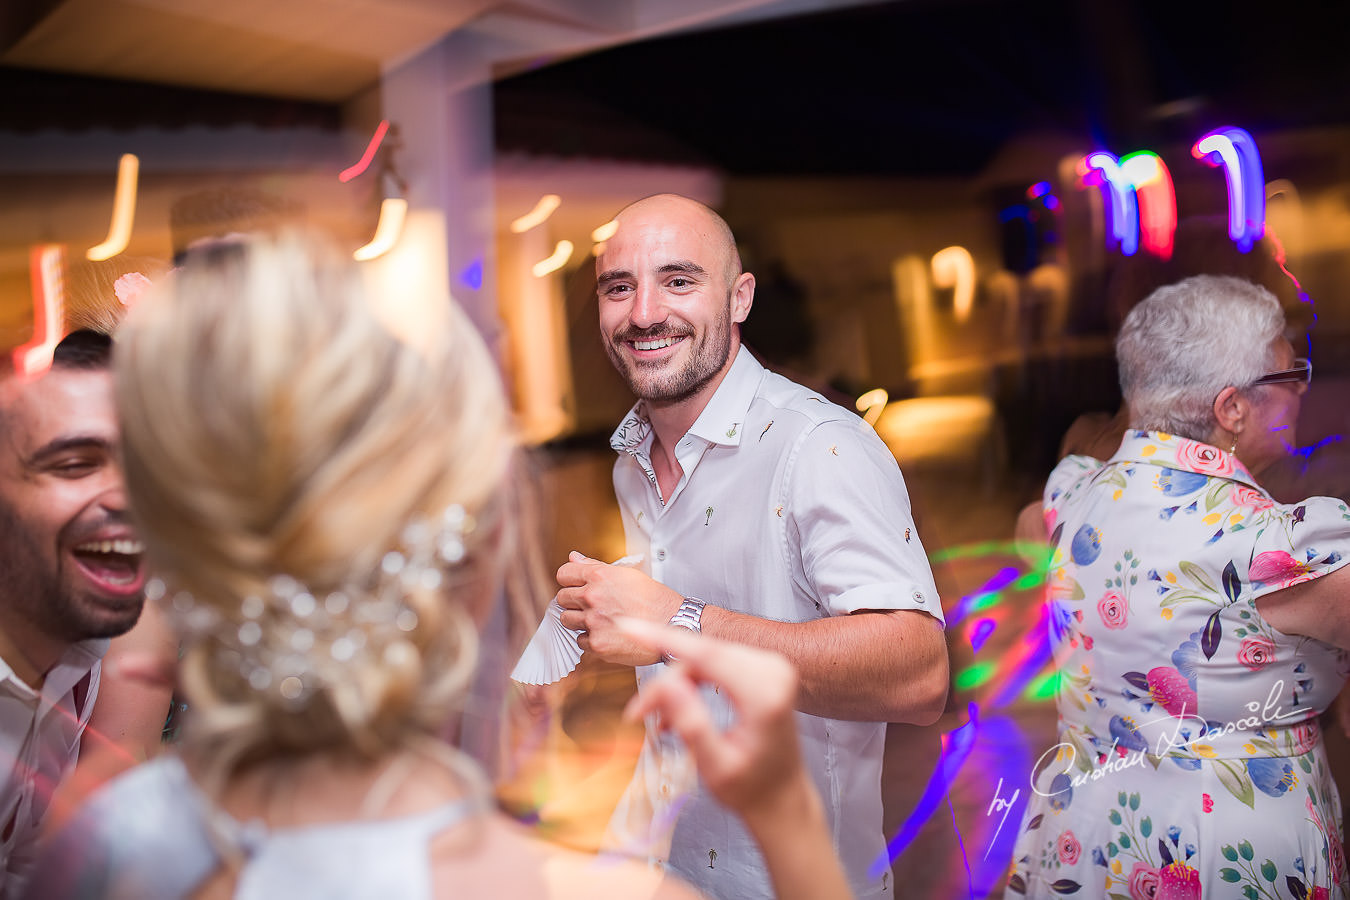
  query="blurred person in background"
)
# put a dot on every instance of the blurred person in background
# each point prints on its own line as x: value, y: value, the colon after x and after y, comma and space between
x: 322, y: 486
x: 1198, y: 626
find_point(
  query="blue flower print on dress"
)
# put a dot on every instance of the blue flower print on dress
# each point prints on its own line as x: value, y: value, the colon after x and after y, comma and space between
x: 1272, y: 775
x: 1061, y: 792
x: 1188, y: 658
x: 1126, y: 734
x: 1176, y: 483
x: 1086, y: 546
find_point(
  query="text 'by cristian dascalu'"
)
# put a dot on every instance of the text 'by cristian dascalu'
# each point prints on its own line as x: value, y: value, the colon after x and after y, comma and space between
x: 1118, y: 759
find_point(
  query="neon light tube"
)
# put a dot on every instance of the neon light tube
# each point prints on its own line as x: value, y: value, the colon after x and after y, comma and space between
x: 124, y: 210
x: 955, y: 268
x: 537, y: 216
x: 1235, y: 151
x: 1103, y: 168
x: 1157, y: 201
x: 561, y: 254
x: 393, y: 210
x: 363, y: 163
x: 46, y: 266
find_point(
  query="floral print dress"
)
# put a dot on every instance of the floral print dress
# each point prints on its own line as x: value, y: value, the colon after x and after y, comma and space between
x: 1190, y: 763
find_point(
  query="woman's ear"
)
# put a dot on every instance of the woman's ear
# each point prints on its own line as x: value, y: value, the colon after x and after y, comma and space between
x: 1231, y: 409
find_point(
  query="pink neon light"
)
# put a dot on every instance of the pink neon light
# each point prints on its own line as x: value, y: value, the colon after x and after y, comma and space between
x: 1157, y: 201
x: 46, y: 265
x: 364, y: 163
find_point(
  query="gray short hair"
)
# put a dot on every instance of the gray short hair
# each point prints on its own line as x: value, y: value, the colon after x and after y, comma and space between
x: 1188, y: 341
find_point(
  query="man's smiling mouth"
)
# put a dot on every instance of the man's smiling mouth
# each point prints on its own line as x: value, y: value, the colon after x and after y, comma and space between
x: 658, y: 344
x: 114, y: 565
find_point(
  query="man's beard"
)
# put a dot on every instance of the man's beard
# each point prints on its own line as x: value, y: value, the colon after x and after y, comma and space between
x: 42, y: 597
x: 652, y: 381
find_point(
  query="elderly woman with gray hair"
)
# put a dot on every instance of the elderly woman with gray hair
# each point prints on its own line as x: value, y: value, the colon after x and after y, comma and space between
x: 1197, y: 628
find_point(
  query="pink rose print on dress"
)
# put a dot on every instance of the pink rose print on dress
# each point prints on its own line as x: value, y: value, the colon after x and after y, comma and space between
x: 1203, y: 458
x: 1143, y: 882
x: 1069, y: 848
x: 1256, y: 653
x: 1278, y: 568
x: 1113, y: 610
x: 1169, y: 689
x: 1178, y: 881
x: 1251, y: 499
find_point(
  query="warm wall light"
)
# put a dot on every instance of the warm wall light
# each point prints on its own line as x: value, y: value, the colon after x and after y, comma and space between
x: 954, y: 267
x: 537, y: 216
x: 46, y: 265
x: 561, y: 254
x: 605, y: 231
x: 124, y: 210
x: 393, y: 210
x: 871, y: 404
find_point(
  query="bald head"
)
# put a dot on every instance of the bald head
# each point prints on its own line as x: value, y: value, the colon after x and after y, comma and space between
x: 672, y: 297
x: 699, y: 217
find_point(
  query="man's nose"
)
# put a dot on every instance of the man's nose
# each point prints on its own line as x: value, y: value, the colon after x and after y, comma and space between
x: 648, y: 308
x: 113, y: 497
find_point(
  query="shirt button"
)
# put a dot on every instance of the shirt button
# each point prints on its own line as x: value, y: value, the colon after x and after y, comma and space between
x: 661, y: 555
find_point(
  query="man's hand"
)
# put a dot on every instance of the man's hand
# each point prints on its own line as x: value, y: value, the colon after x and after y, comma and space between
x: 594, y: 593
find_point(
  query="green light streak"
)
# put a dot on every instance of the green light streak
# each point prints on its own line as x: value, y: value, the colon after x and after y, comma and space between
x: 1043, y: 687
x: 975, y: 676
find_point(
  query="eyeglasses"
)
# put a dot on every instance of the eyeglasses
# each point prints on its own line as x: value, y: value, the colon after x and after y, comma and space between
x: 1301, y: 373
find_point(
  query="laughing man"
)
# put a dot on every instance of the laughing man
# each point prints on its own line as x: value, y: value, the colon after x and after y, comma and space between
x: 70, y: 578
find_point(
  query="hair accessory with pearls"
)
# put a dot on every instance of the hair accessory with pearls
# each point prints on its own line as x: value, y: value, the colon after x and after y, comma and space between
x: 310, y: 635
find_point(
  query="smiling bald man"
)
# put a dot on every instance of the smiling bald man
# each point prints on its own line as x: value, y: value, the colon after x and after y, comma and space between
x: 764, y: 515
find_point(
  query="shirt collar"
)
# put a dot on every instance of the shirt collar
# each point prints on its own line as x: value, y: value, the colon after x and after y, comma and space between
x: 76, y: 662
x: 1156, y: 448
x: 721, y: 420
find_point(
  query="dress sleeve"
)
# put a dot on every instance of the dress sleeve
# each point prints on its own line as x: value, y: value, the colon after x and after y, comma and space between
x: 850, y: 513
x: 1298, y: 542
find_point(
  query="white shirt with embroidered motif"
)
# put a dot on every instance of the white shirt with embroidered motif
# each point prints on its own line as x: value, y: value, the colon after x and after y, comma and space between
x: 39, y: 742
x: 789, y: 508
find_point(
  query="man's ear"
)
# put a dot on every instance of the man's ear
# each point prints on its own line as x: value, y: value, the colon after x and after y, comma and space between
x: 742, y: 297
x: 1231, y: 410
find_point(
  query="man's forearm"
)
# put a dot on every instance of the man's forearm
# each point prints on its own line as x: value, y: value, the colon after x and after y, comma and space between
x: 871, y: 666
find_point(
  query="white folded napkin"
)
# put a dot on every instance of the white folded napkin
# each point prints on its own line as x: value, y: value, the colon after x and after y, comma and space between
x: 553, y: 653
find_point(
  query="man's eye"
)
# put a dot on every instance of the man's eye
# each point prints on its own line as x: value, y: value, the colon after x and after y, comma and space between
x: 74, y: 468
x: 616, y: 289
x: 680, y: 282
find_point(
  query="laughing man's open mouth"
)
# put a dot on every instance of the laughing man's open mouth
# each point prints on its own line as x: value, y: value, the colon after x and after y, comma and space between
x: 115, y: 565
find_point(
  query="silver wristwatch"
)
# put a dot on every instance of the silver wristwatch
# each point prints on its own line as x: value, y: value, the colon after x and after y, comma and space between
x: 689, y: 616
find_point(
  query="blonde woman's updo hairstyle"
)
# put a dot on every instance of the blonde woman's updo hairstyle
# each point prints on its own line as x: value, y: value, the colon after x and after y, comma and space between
x: 313, y: 491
